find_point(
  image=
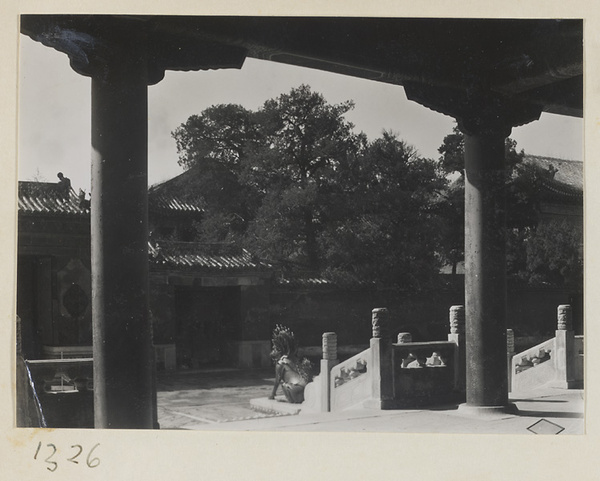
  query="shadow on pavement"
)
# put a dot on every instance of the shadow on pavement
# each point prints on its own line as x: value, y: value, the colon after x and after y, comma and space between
x: 549, y: 414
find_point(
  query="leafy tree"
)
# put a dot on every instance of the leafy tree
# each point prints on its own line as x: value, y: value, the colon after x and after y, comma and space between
x: 538, y: 253
x: 452, y: 152
x: 521, y: 197
x: 306, y: 140
x: 554, y: 255
x: 294, y: 184
x: 222, y: 133
x: 306, y: 136
x: 214, y: 147
x: 385, y: 226
x: 452, y: 250
x: 281, y: 230
x: 516, y: 252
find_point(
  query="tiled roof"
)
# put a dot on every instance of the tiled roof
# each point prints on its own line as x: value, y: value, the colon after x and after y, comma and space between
x: 168, y: 195
x: 191, y: 255
x: 561, y: 179
x: 46, y: 198
x: 304, y: 282
x: 165, y: 202
x: 569, y: 172
x: 314, y: 280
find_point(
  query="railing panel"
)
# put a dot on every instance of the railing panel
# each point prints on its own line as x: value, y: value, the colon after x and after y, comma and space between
x: 61, y: 391
x: 532, y: 357
x: 351, y: 381
x: 424, y: 373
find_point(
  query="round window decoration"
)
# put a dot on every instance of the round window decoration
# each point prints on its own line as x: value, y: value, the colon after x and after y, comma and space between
x: 75, y: 300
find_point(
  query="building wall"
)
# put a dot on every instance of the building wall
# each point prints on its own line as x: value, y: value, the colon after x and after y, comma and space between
x: 53, y: 302
x: 71, y: 302
x: 570, y: 213
x: 162, y: 312
x: 255, y: 313
x: 209, y: 318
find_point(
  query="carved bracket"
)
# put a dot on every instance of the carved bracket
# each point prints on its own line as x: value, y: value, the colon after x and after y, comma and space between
x: 97, y: 46
x: 477, y: 111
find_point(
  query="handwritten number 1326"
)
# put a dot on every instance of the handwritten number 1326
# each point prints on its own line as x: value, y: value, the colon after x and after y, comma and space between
x: 91, y: 462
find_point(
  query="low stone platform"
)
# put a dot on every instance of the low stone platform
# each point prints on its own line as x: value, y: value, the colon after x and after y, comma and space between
x: 274, y: 406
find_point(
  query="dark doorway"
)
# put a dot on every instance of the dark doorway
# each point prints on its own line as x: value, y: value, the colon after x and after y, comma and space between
x: 207, y: 322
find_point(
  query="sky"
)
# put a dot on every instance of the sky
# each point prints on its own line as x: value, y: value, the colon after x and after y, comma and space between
x: 55, y: 116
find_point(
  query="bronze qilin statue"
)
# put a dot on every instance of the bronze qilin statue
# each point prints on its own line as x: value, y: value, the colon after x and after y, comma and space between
x: 292, y: 373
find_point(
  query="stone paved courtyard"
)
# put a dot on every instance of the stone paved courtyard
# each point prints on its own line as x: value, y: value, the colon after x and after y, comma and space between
x: 193, y: 397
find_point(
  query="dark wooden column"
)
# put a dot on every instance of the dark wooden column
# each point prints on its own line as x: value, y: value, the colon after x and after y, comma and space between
x: 123, y: 368
x: 123, y: 55
x: 486, y: 120
x: 485, y: 269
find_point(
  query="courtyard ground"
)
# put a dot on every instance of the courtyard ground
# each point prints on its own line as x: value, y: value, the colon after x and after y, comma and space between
x: 219, y: 399
x: 210, y: 396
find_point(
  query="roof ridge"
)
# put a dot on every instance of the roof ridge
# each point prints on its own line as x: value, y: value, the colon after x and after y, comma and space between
x: 547, y: 157
x: 47, y: 198
x: 166, y: 253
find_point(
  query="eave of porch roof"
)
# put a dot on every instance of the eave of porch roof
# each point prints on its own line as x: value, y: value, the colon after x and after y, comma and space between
x: 533, y: 61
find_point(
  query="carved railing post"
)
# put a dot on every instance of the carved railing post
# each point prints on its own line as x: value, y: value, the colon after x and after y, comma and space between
x: 380, y: 323
x: 564, y: 348
x: 457, y: 323
x: 457, y: 335
x: 330, y: 359
x: 564, y: 317
x: 382, y: 389
x: 510, y: 352
x: 329, y: 346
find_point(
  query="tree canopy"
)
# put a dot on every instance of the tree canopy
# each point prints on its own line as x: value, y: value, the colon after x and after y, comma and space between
x: 538, y: 253
x: 385, y: 219
x: 294, y: 184
x: 521, y: 194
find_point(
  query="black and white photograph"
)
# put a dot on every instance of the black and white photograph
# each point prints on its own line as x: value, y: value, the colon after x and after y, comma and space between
x: 300, y: 226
